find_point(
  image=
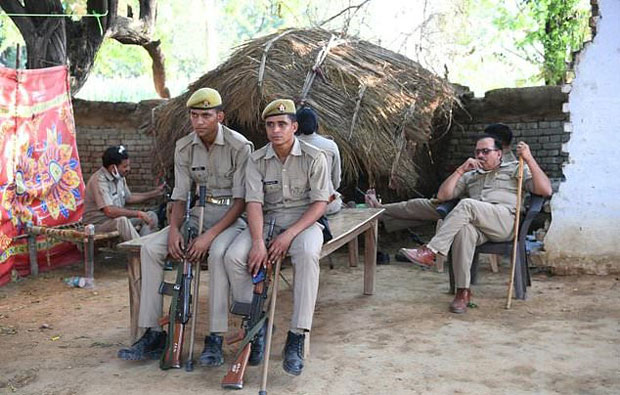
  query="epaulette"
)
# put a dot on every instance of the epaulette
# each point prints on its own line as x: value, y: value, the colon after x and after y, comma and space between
x: 185, y: 141
x: 235, y: 139
x: 310, y: 149
x: 259, y: 153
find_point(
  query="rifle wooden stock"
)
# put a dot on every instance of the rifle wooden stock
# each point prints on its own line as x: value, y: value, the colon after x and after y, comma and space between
x: 172, y: 357
x: 234, y: 377
x: 235, y: 337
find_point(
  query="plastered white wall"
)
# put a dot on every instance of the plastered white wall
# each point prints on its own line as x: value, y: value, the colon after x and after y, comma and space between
x: 585, y: 227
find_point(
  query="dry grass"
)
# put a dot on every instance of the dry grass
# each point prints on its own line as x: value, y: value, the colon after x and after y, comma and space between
x: 381, y: 108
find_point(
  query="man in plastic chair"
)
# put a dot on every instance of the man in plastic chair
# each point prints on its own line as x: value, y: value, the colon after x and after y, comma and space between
x: 106, y: 196
x: 415, y: 212
x: 488, y: 187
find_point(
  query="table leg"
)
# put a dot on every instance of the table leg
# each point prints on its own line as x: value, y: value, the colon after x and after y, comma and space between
x: 353, y: 252
x: 135, y: 277
x: 370, y: 257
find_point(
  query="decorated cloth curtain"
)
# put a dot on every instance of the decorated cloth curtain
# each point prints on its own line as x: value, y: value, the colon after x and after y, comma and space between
x: 40, y: 175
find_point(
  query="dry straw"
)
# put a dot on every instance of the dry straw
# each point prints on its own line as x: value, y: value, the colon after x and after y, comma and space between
x: 381, y: 108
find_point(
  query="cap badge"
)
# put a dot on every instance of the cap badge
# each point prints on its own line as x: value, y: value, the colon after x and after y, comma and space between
x: 282, y: 107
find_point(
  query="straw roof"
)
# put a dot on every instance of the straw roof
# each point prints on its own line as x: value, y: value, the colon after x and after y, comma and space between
x: 380, y: 107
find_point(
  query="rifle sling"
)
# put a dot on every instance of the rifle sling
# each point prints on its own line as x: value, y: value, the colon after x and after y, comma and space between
x: 249, y: 336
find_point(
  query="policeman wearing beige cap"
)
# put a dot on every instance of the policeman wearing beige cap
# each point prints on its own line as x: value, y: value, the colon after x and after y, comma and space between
x: 288, y: 180
x: 214, y: 156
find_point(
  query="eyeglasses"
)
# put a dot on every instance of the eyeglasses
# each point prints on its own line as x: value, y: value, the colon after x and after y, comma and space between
x: 484, y: 151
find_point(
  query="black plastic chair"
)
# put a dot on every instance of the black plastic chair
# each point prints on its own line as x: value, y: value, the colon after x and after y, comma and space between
x: 522, y: 272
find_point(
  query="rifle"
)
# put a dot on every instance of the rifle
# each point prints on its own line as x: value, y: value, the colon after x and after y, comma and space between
x: 253, y: 320
x: 180, y: 291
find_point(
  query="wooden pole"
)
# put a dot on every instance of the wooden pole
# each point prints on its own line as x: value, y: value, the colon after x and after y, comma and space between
x: 516, y: 235
x: 272, y: 314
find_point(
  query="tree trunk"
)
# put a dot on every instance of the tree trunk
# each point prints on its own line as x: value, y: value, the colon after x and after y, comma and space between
x: 52, y: 41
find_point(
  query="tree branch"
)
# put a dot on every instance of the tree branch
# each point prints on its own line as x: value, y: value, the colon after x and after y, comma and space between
x: 355, y: 7
x: 138, y: 32
x: 24, y: 24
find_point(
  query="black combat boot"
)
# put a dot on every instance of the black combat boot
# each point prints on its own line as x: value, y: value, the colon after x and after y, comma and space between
x: 293, y: 362
x: 212, y: 353
x: 258, y: 346
x: 151, y: 345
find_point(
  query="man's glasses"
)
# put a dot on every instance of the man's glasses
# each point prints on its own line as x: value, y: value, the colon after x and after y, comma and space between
x: 484, y: 151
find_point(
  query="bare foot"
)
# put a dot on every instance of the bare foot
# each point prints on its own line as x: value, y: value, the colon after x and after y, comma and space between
x: 371, y: 199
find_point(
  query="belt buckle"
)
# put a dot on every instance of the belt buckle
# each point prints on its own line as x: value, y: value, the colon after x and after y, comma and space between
x: 219, y: 201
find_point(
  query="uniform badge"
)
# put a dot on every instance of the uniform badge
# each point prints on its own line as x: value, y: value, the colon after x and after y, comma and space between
x: 282, y: 107
x: 206, y: 103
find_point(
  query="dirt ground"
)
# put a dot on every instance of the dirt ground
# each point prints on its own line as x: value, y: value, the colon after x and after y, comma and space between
x: 402, y: 340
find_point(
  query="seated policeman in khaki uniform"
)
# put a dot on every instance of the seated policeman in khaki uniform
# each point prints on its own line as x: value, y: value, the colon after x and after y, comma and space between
x: 487, y: 212
x: 307, y: 132
x: 415, y: 212
x: 214, y: 156
x: 106, y: 196
x: 287, y: 180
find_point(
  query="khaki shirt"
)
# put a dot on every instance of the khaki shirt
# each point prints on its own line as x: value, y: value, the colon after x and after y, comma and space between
x: 103, y: 190
x: 332, y: 153
x: 221, y: 168
x: 288, y: 187
x: 508, y: 155
x: 498, y: 186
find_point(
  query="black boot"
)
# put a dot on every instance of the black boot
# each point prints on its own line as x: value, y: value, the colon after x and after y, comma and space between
x: 293, y: 362
x: 258, y: 346
x: 151, y: 345
x: 212, y: 353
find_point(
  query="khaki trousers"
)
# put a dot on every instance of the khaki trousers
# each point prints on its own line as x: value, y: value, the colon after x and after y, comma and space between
x: 152, y: 259
x: 470, y: 224
x: 127, y: 227
x: 410, y: 213
x: 304, y: 251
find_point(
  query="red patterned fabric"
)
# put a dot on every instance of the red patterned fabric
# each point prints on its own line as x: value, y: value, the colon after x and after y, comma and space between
x: 40, y: 175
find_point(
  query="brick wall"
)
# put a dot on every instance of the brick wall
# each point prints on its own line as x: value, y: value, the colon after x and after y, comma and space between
x: 534, y: 115
x: 102, y: 124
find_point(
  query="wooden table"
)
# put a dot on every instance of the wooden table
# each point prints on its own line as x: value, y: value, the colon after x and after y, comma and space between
x: 346, y: 226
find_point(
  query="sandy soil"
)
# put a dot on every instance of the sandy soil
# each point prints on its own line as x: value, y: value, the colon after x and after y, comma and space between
x: 563, y: 339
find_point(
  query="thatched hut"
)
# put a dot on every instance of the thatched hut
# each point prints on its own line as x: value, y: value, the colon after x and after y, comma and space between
x: 381, y: 108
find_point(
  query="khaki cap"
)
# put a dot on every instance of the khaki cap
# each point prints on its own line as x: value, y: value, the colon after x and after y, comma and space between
x: 279, y: 107
x: 204, y: 99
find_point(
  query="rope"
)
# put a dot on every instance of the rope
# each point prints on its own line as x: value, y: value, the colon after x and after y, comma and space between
x: 261, y: 69
x: 360, y: 95
x: 320, y: 58
x: 93, y: 15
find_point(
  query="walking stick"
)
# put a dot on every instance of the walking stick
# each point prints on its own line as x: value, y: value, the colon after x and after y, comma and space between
x: 189, y: 364
x: 516, y: 237
x: 272, y: 313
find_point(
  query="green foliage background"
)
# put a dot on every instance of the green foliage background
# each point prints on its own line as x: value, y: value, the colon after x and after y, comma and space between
x: 484, y: 44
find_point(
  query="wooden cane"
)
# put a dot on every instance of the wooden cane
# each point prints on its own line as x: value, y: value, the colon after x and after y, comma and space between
x: 516, y: 236
x: 272, y: 313
x: 189, y: 364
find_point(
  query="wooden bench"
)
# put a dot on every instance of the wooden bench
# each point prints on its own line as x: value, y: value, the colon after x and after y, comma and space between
x: 346, y: 226
x: 77, y: 233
